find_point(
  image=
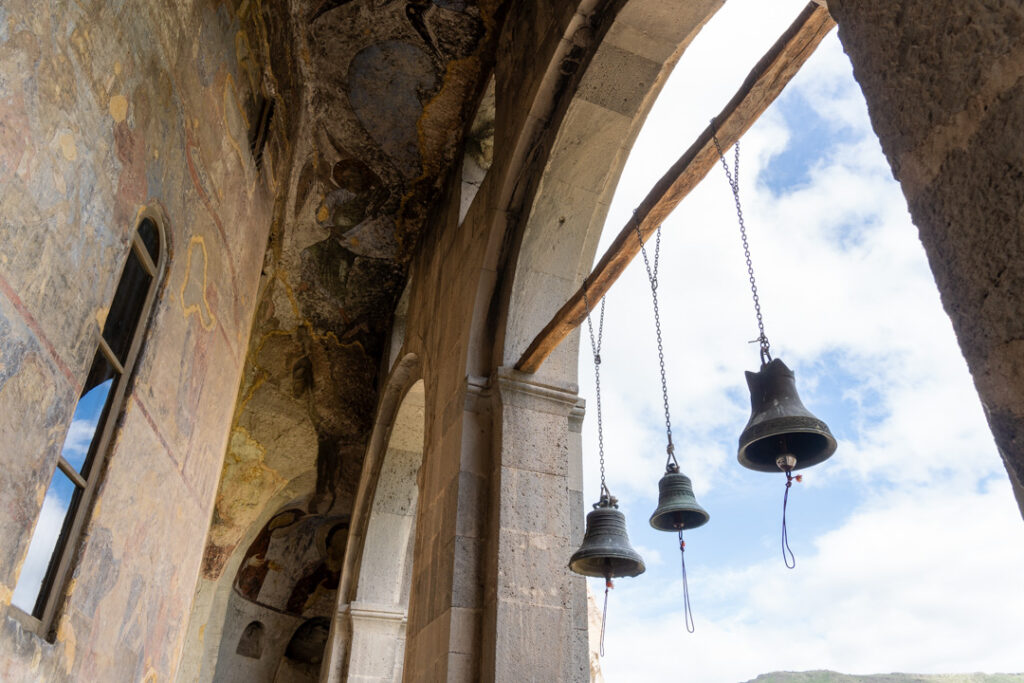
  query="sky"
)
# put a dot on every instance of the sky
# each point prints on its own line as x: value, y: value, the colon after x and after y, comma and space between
x: 906, y: 539
x: 58, y: 496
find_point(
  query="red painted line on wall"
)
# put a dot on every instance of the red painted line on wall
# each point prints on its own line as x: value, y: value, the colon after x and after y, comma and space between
x: 167, y: 449
x: 205, y: 199
x: 227, y: 341
x: 33, y: 325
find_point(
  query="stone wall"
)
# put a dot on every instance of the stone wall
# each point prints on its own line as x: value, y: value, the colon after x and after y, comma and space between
x: 255, y: 441
x: 109, y: 109
x: 945, y: 90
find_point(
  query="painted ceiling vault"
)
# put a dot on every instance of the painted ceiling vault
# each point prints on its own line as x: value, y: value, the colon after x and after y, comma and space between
x: 377, y: 98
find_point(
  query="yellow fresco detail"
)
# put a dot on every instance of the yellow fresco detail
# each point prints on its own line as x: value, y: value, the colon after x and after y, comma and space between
x: 66, y: 635
x: 101, y: 316
x: 117, y: 68
x: 236, y: 123
x: 151, y: 676
x: 243, y: 55
x: 5, y: 595
x: 322, y: 215
x: 119, y: 107
x: 200, y: 306
x: 58, y: 183
x: 67, y: 146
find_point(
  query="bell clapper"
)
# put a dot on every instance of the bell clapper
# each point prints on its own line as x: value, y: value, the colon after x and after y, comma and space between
x: 786, y: 463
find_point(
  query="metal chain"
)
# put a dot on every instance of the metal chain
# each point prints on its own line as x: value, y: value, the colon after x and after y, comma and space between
x: 652, y: 276
x: 734, y: 182
x: 596, y: 348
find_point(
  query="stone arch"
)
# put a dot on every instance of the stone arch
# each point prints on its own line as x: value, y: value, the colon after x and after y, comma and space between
x: 605, y: 114
x: 368, y: 632
x: 594, y: 97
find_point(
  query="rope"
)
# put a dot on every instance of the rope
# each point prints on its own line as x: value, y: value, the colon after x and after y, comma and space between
x: 789, y: 558
x: 604, y: 613
x: 687, y: 612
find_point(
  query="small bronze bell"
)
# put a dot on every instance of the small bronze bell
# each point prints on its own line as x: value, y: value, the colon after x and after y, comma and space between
x: 677, y: 506
x: 605, y: 550
x: 781, y: 434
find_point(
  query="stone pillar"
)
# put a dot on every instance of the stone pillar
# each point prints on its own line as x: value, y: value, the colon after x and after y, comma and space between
x: 944, y: 84
x: 378, y: 639
x: 536, y: 615
x: 445, y: 603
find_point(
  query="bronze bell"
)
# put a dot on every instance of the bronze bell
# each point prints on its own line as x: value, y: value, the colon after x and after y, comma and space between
x: 605, y: 550
x: 782, y: 433
x: 677, y: 506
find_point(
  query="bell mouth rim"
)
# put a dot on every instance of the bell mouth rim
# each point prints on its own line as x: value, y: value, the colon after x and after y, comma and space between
x: 758, y: 466
x: 657, y: 527
x: 639, y: 566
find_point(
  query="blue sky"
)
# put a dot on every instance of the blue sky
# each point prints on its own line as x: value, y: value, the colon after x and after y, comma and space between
x: 58, y: 496
x: 906, y: 537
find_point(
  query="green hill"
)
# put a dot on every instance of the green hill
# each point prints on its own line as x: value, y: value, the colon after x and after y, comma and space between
x: 833, y: 677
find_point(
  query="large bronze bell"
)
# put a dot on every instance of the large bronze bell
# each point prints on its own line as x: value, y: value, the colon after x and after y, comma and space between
x: 605, y: 550
x: 677, y: 506
x: 782, y: 433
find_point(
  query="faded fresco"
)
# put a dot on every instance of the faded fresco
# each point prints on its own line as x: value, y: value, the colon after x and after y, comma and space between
x: 109, y: 110
x: 390, y: 90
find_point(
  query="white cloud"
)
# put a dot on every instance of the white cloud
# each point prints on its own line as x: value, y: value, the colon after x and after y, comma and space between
x: 915, y: 573
x: 44, y: 539
x: 912, y: 582
x: 78, y: 439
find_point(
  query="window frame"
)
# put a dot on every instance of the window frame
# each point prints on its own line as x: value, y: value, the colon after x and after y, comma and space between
x: 64, y: 556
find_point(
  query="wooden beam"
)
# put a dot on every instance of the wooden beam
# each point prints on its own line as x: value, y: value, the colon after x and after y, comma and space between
x: 759, y: 90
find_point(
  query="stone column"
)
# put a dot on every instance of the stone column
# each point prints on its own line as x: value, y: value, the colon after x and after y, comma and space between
x: 944, y: 84
x: 536, y: 615
x: 378, y: 640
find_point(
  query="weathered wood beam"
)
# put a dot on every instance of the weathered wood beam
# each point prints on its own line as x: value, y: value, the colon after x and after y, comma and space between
x: 759, y: 90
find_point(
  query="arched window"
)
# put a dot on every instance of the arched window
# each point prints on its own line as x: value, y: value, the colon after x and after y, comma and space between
x: 80, y: 463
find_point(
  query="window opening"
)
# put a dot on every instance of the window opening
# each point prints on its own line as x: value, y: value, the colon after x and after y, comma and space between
x: 64, y: 506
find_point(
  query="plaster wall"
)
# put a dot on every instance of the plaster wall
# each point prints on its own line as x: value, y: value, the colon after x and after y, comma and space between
x: 108, y: 109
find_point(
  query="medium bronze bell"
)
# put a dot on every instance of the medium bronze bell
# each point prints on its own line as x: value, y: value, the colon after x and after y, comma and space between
x: 781, y: 434
x: 605, y: 550
x: 677, y: 506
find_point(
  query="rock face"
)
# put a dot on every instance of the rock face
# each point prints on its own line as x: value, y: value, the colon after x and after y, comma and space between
x: 834, y: 677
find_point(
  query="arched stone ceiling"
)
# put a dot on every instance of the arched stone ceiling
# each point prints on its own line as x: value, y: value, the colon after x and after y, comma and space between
x: 387, y: 91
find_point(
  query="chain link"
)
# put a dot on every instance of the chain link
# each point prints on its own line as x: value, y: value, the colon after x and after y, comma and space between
x: 652, y: 276
x: 734, y: 182
x: 595, y: 346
